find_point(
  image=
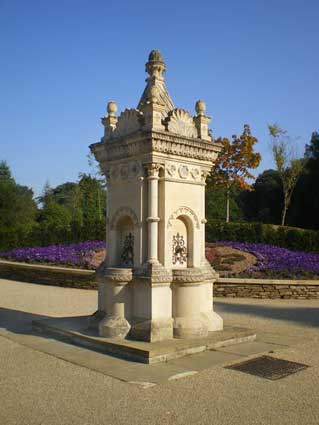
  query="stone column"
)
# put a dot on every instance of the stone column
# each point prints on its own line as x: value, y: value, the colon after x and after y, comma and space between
x: 117, y: 303
x: 152, y: 219
x: 204, y: 175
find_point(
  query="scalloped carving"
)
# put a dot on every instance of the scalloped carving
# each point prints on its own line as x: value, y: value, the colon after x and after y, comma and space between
x: 181, y: 122
x: 122, y: 212
x: 128, y: 122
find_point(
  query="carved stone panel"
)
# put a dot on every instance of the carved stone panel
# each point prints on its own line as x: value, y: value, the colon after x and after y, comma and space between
x: 128, y: 122
x: 181, y: 122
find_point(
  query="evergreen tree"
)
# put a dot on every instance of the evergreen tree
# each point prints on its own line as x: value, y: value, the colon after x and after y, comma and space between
x: 18, y: 211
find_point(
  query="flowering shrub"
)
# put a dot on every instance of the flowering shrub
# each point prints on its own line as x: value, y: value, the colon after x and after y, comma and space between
x: 278, y: 262
x: 79, y: 254
x: 272, y: 261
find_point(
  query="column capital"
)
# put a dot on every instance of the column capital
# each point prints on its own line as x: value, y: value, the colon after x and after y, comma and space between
x: 152, y: 169
x: 204, y: 175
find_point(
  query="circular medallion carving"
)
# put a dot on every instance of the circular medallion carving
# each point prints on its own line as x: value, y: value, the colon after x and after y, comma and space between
x: 183, y: 171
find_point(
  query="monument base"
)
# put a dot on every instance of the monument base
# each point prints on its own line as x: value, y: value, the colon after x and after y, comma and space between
x: 76, y: 330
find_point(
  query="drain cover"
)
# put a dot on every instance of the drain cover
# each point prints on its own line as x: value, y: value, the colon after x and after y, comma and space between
x: 268, y: 367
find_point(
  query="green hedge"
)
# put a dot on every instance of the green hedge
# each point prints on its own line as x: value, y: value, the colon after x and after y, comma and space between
x: 286, y: 237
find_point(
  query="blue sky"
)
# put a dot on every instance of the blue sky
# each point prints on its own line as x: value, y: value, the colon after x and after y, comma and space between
x: 252, y: 61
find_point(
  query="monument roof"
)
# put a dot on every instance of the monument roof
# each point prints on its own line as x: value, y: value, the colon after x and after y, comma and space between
x: 156, y: 68
x: 158, y: 118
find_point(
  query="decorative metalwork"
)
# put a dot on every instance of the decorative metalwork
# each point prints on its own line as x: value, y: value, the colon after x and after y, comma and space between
x: 179, y: 250
x: 127, y: 256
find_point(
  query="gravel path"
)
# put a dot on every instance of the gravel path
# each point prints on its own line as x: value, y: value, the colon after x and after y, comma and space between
x: 36, y: 388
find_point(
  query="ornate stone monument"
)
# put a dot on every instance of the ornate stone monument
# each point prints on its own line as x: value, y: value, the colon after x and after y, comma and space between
x: 156, y: 283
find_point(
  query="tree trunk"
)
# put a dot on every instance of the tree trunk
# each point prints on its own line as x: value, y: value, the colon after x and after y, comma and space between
x: 284, y: 213
x: 227, y: 206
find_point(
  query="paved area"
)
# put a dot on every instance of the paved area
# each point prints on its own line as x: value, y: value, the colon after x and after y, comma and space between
x: 47, y: 382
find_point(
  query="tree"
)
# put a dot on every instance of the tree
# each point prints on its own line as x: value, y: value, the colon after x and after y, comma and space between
x: 231, y: 168
x: 304, y: 210
x: 18, y: 211
x: 264, y: 202
x: 312, y: 150
x: 289, y: 167
x: 216, y: 203
x: 93, y: 204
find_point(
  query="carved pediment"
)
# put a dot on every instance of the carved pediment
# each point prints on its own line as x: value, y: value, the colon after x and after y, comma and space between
x: 128, y: 122
x: 181, y: 122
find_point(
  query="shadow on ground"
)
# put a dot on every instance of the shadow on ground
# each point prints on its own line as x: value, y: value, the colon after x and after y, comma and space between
x: 308, y: 316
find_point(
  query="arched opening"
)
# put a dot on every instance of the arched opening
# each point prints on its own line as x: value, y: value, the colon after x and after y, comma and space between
x: 182, y: 242
x: 125, y: 242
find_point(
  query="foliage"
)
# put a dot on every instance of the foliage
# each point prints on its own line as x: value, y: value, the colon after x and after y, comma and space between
x: 282, y: 236
x: 289, y: 168
x: 70, y: 212
x: 73, y: 212
x: 231, y: 168
x: 264, y: 202
x: 18, y: 210
x: 75, y: 254
x: 312, y: 150
x: 216, y: 200
x: 304, y: 211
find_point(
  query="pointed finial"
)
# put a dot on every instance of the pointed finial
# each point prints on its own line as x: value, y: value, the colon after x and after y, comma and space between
x: 155, y: 66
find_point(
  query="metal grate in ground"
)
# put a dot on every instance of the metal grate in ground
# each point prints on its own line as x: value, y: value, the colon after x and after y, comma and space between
x: 268, y: 367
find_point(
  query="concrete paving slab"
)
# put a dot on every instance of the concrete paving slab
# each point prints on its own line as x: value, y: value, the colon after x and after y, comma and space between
x: 251, y: 348
x: 280, y: 339
x: 206, y: 360
x: 75, y: 330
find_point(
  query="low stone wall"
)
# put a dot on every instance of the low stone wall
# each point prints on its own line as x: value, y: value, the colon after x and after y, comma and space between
x: 266, y: 288
x: 223, y: 287
x: 48, y: 275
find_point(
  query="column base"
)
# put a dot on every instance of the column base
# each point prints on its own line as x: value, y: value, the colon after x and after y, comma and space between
x: 113, y: 326
x: 152, y: 330
x: 190, y: 327
x: 213, y: 321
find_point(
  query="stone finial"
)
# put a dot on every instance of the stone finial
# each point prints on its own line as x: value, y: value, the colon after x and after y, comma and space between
x: 200, y: 107
x: 110, y: 121
x: 155, y: 66
x: 202, y: 121
x: 111, y: 108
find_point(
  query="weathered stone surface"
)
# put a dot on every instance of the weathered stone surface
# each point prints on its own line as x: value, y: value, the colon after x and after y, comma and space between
x: 156, y: 159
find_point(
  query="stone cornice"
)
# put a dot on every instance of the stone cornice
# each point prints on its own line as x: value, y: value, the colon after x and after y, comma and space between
x: 149, y: 142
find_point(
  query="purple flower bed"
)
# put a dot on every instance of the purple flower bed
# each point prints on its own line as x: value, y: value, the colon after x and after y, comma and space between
x: 78, y: 254
x: 278, y: 262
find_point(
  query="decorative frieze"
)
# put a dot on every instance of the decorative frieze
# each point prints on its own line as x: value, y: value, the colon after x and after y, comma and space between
x: 160, y: 142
